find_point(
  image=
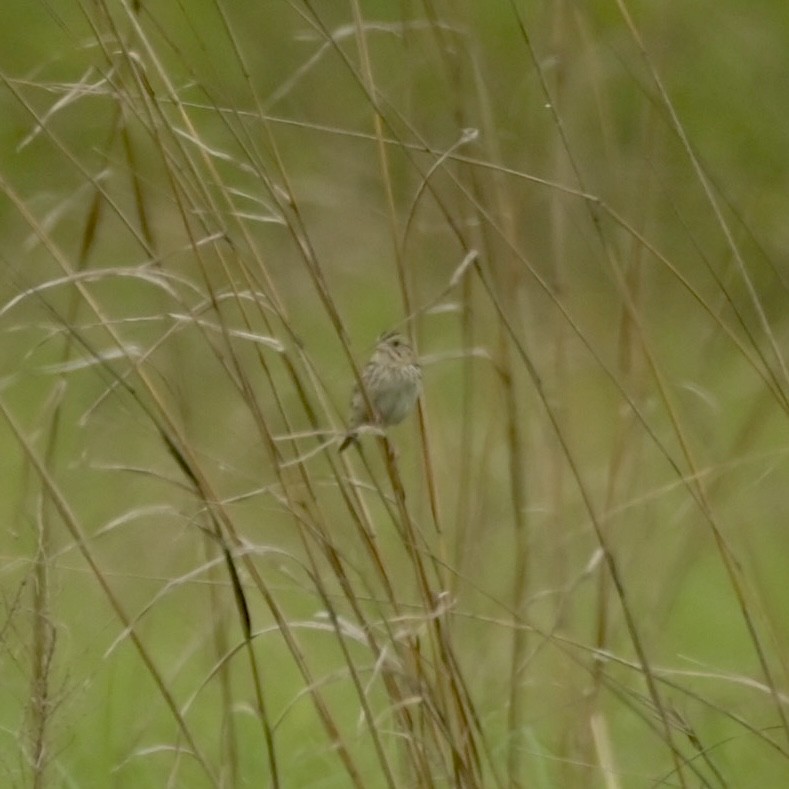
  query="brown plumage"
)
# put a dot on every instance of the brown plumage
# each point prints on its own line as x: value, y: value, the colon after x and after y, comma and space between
x: 392, y: 380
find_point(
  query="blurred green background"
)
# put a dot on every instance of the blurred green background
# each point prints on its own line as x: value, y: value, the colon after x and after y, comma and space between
x: 643, y: 275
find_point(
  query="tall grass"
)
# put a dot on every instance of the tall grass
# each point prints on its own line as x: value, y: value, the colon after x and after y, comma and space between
x: 567, y: 569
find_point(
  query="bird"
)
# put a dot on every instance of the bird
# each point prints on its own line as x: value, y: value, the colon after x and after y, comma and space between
x: 392, y: 381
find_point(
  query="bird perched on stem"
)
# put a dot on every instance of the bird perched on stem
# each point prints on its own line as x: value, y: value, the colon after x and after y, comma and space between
x: 392, y: 381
